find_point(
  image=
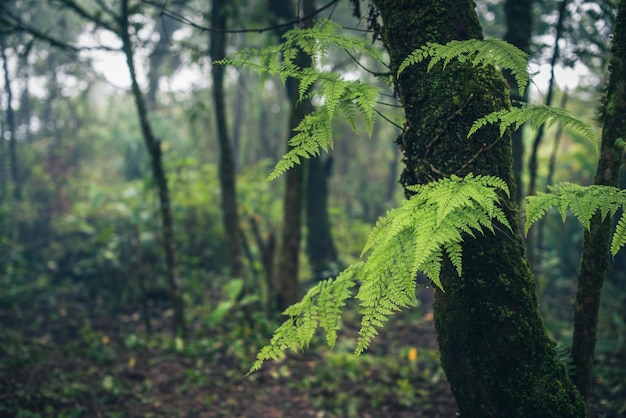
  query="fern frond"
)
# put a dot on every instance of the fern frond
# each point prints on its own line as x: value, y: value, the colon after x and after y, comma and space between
x: 351, y: 97
x: 479, y: 52
x: 408, y: 240
x: 537, y: 115
x: 537, y: 206
x: 320, y: 307
x: 619, y: 238
x: 412, y: 238
x: 583, y: 202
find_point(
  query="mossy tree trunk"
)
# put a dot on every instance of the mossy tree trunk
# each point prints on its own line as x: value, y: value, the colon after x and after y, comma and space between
x: 494, y: 348
x: 594, y: 261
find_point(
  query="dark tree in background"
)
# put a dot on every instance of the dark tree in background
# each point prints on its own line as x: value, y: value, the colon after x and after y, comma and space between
x: 320, y: 246
x: 159, y: 175
x: 595, y: 257
x: 519, y: 27
x: 286, y: 277
x: 494, y: 348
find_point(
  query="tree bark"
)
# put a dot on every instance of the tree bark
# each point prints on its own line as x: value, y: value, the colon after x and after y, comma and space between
x: 595, y: 256
x: 226, y: 162
x: 495, y: 350
x: 154, y: 149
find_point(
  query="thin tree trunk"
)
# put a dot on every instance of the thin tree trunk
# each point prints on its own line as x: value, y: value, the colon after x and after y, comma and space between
x: 541, y: 224
x: 154, y: 149
x: 519, y: 25
x: 532, y: 162
x: 226, y: 163
x: 594, y: 262
x: 555, y: 146
x: 239, y: 119
x: 286, y: 280
x: 495, y: 350
x: 533, y: 246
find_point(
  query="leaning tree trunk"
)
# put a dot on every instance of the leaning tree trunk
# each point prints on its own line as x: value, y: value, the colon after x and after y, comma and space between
x: 594, y: 261
x: 494, y: 348
x: 154, y: 149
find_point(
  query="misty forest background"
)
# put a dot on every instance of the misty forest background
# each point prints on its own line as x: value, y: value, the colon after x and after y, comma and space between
x: 106, y: 309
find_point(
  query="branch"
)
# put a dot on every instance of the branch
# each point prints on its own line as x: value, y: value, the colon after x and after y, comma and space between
x: 180, y: 18
x: 22, y: 26
x: 92, y: 18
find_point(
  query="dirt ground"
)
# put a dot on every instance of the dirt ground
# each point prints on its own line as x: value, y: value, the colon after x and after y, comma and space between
x: 60, y: 358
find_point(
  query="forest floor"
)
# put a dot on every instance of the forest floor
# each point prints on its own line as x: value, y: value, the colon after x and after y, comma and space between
x: 62, y: 357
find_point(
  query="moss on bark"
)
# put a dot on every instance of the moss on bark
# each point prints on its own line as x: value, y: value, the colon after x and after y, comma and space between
x: 494, y: 348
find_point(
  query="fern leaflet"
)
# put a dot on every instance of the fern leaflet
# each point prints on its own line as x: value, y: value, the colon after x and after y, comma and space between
x: 619, y: 238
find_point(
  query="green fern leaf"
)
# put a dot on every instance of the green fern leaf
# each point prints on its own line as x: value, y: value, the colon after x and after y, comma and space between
x: 537, y: 115
x: 582, y: 201
x: 353, y: 97
x: 479, y: 52
x: 412, y: 239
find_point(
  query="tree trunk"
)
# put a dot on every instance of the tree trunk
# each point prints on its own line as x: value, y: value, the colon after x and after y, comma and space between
x: 226, y: 163
x: 594, y: 262
x: 287, y: 287
x: 494, y: 348
x: 320, y: 246
x: 154, y: 149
